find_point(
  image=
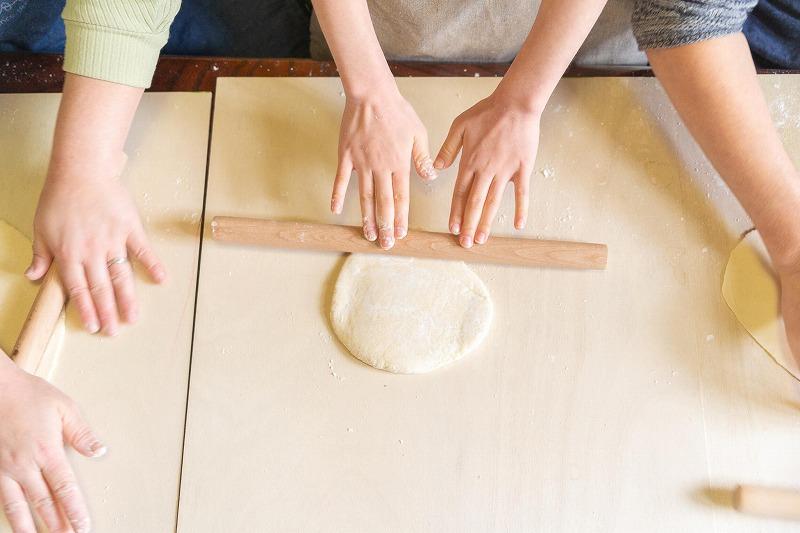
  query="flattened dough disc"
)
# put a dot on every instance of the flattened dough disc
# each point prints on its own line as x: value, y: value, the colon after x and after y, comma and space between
x: 17, y: 295
x: 751, y: 291
x: 407, y: 315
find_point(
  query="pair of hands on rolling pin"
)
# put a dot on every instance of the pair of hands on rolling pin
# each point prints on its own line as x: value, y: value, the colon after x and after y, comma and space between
x: 381, y: 135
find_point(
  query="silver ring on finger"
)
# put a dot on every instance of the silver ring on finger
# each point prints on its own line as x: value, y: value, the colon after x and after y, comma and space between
x: 116, y: 261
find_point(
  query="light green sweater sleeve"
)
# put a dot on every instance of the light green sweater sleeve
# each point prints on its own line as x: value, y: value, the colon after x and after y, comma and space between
x: 116, y: 40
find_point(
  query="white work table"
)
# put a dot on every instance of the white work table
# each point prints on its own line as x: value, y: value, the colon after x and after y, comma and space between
x: 624, y: 400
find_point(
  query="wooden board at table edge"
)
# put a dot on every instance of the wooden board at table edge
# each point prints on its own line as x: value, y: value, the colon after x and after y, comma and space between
x: 24, y: 72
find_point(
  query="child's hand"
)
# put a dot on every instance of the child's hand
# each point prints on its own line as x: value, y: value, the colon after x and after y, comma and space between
x: 86, y: 224
x: 499, y: 139
x: 35, y: 476
x: 380, y: 134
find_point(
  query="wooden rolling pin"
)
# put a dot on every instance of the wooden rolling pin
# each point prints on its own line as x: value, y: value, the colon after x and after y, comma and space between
x: 328, y: 237
x: 767, y: 501
x: 40, y: 323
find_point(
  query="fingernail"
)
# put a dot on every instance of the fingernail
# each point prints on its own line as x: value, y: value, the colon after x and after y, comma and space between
x: 369, y: 234
x: 480, y: 237
x: 520, y: 224
x: 387, y: 242
x: 92, y: 327
x: 335, y: 206
x: 466, y: 241
x: 98, y: 450
x: 455, y: 229
x: 400, y: 232
x: 439, y: 163
x: 29, y: 271
x: 112, y: 331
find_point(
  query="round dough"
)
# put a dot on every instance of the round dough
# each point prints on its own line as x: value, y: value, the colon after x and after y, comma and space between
x: 17, y: 295
x: 751, y: 290
x: 407, y: 315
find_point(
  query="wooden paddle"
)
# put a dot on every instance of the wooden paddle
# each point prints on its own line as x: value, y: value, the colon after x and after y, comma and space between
x: 425, y: 244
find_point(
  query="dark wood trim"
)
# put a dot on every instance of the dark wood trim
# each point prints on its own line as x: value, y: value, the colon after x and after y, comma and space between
x: 42, y: 73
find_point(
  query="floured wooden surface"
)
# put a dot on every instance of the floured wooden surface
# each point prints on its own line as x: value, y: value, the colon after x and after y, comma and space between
x: 131, y: 388
x: 624, y: 400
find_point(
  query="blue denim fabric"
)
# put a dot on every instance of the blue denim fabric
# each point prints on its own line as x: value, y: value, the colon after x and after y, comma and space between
x: 244, y: 28
x: 33, y: 25
x: 773, y: 31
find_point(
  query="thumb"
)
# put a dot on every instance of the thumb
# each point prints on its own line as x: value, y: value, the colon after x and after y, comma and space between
x: 421, y: 154
x: 40, y: 262
x: 80, y: 436
x: 451, y: 146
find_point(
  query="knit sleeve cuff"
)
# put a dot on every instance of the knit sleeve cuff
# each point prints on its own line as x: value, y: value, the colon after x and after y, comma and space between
x: 112, y: 55
x: 669, y: 23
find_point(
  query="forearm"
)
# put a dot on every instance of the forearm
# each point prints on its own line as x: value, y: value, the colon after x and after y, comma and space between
x: 713, y: 86
x: 93, y: 122
x: 560, y: 28
x: 354, y: 45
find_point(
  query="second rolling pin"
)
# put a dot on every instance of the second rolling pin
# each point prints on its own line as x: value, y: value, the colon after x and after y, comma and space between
x: 30, y: 348
x: 425, y: 244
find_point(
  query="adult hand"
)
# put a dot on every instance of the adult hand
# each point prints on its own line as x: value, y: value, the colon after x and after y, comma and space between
x: 35, y: 476
x: 380, y: 134
x: 84, y: 224
x: 499, y: 139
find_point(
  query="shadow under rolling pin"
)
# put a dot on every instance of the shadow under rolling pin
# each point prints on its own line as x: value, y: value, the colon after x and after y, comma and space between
x: 424, y: 244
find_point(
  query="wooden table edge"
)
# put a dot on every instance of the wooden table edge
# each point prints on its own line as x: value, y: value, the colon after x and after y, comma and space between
x: 22, y: 72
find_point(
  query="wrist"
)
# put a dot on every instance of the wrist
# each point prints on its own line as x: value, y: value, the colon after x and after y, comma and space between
x: 380, y: 84
x: 83, y: 165
x: 777, y: 221
x: 512, y: 94
x: 784, y: 250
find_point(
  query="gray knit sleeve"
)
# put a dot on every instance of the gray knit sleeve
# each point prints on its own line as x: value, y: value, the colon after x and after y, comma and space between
x: 667, y: 23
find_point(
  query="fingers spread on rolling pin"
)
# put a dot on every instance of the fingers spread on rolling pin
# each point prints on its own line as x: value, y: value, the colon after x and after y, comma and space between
x: 460, y: 193
x: 122, y: 280
x: 74, y: 278
x: 384, y: 209
x: 366, y: 192
x: 343, y: 173
x: 102, y: 292
x: 400, y: 188
x: 493, y: 199
x: 15, y: 506
x: 522, y: 181
x: 473, y: 208
x: 67, y: 494
x: 139, y: 249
